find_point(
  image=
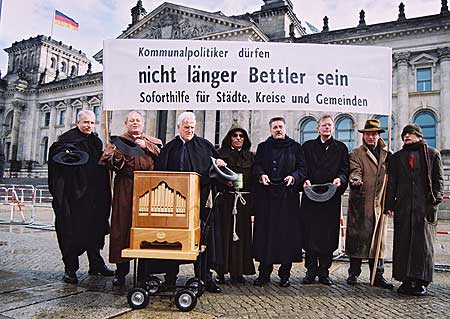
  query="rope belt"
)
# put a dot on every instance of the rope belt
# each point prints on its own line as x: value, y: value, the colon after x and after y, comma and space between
x: 237, y: 196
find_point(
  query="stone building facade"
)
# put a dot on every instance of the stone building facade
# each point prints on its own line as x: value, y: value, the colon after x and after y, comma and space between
x: 47, y: 82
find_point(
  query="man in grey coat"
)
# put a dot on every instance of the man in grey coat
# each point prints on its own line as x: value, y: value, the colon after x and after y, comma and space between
x: 414, y: 192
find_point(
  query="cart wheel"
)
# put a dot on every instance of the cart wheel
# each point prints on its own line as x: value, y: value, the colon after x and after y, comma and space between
x: 185, y: 300
x: 196, y: 286
x: 138, y: 298
x: 153, y: 285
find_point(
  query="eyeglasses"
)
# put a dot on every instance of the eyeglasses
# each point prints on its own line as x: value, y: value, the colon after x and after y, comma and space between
x: 238, y: 135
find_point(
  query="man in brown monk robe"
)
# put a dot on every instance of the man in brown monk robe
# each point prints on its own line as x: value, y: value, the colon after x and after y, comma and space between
x: 124, y: 165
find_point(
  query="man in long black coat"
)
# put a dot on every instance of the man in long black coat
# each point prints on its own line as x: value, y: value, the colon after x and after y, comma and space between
x: 81, y: 199
x: 415, y: 187
x: 234, y: 214
x: 280, y: 170
x: 188, y: 152
x: 327, y: 161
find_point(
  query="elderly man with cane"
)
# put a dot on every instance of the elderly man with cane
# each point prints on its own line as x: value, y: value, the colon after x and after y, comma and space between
x: 367, y: 187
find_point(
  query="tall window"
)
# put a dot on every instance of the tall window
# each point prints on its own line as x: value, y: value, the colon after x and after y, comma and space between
x: 162, y: 125
x: 384, y: 125
x: 423, y: 80
x: 308, y: 130
x: 427, y: 123
x: 63, y: 67
x: 53, y: 63
x: 46, y: 119
x: 345, y: 132
x: 96, y: 109
x: 217, y: 130
x: 62, y: 117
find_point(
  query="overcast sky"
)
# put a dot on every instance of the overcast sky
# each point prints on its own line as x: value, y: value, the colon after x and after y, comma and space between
x: 104, y: 19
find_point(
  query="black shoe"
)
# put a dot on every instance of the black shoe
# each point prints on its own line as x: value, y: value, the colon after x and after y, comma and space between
x: 102, y: 271
x: 118, y: 281
x: 238, y: 279
x: 220, y: 279
x: 352, y: 280
x: 382, y: 283
x: 70, y: 277
x: 326, y: 281
x: 405, y: 289
x: 309, y: 279
x: 419, y: 291
x: 284, y: 282
x: 261, y: 281
x: 212, y: 287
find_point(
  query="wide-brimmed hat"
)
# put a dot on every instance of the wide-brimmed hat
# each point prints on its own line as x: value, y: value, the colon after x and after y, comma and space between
x: 223, y: 174
x: 372, y: 125
x: 126, y: 146
x: 320, y: 192
x: 412, y: 129
x: 71, y: 157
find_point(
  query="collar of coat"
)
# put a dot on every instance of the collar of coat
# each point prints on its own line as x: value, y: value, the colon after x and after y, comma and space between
x: 383, y: 151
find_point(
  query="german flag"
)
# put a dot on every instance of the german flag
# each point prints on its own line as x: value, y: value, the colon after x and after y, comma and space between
x: 65, y: 21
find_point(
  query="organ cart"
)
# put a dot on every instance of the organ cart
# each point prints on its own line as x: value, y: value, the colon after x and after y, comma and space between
x: 165, y: 225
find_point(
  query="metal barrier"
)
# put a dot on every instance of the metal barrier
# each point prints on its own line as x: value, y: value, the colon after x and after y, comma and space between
x: 24, y: 196
x: 17, y: 196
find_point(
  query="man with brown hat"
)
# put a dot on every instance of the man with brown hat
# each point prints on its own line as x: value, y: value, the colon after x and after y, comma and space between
x: 413, y: 195
x: 367, y: 186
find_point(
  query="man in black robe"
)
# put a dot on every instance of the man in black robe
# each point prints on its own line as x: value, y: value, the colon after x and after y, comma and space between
x: 235, y: 209
x: 81, y: 199
x: 188, y: 152
x: 327, y: 161
x: 280, y: 170
x: 415, y: 189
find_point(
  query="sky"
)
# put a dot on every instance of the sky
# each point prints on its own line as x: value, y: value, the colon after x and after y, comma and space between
x: 106, y: 19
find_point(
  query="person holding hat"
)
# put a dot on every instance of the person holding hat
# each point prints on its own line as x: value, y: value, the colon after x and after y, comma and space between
x: 327, y: 161
x: 365, y: 204
x: 81, y: 196
x: 132, y: 151
x: 188, y: 152
x: 413, y: 195
x: 235, y: 209
x: 279, y: 170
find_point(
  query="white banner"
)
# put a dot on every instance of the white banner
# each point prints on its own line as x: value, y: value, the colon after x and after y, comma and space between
x: 224, y: 75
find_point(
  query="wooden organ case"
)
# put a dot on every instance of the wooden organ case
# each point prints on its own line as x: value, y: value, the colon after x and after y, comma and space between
x: 165, y: 216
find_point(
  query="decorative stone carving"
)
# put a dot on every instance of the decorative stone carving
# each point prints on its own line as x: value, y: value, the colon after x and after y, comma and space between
x: 325, y: 24
x: 401, y: 12
x: 362, y: 19
x: 179, y: 27
x: 444, y: 53
x: 402, y: 57
x: 444, y: 7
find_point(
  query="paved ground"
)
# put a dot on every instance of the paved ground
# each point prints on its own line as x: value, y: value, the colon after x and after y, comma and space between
x: 31, y: 287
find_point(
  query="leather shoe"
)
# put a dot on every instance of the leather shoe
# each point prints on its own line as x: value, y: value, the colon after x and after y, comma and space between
x: 212, y: 287
x: 220, y: 279
x: 382, y: 283
x: 70, y: 277
x: 326, y: 281
x: 284, y: 282
x: 405, y: 289
x: 118, y: 281
x: 238, y: 279
x: 352, y: 280
x: 102, y: 271
x: 261, y: 281
x: 419, y: 291
x: 309, y: 279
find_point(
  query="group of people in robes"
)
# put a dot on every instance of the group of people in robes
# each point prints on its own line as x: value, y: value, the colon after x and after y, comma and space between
x: 268, y: 192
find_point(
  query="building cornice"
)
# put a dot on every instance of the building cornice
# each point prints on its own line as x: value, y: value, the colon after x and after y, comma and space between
x: 381, y: 31
x: 71, y: 83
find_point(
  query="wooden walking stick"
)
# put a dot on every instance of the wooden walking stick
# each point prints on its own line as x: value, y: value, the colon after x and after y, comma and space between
x: 380, y: 229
